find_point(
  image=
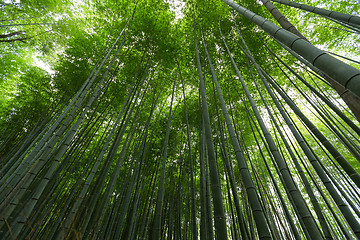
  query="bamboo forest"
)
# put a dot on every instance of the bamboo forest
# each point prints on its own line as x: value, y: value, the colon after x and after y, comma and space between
x: 179, y: 119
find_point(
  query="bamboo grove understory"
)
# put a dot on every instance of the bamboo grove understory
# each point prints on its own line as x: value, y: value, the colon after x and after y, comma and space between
x: 212, y: 142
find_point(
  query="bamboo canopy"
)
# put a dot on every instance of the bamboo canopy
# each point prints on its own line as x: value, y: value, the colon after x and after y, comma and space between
x: 218, y: 124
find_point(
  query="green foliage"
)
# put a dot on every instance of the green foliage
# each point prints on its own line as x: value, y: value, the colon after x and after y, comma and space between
x: 26, y: 102
x: 71, y: 157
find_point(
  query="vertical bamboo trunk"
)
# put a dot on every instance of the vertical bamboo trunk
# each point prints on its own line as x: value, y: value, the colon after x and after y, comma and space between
x: 288, y: 181
x: 191, y: 165
x: 230, y: 178
x: 329, y: 185
x: 321, y: 96
x: 344, y: 74
x: 250, y: 187
x: 343, y: 17
x: 219, y: 213
x: 156, y: 234
x: 349, y: 97
x: 343, y: 207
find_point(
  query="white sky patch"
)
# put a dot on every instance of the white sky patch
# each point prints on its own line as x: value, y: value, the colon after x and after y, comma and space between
x: 177, y: 7
x: 11, y: 1
x: 41, y: 64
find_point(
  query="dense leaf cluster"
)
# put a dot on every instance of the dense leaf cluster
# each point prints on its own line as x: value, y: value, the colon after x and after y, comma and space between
x: 137, y: 131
